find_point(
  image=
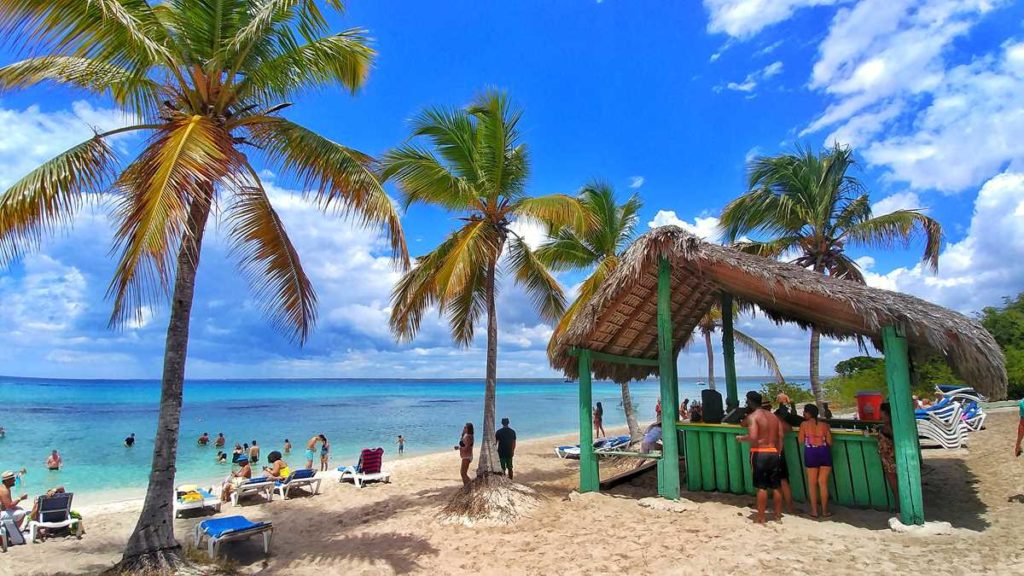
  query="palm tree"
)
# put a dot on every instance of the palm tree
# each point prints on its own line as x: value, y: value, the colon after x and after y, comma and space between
x: 472, y: 164
x: 597, y: 248
x: 807, y: 205
x: 206, y: 81
x: 713, y: 321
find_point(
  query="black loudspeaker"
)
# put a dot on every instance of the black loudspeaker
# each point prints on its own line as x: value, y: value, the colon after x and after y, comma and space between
x: 735, y: 416
x: 711, y: 406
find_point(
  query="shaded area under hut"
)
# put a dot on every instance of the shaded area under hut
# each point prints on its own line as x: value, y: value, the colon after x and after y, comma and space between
x: 646, y: 311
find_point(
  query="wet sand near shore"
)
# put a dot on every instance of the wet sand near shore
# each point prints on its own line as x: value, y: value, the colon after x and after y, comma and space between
x: 390, y: 528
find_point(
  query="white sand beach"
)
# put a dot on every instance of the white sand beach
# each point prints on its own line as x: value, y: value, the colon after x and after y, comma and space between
x: 390, y: 528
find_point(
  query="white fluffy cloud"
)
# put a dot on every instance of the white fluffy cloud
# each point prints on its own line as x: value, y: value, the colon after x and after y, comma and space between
x: 636, y: 182
x: 898, y: 201
x: 758, y: 76
x: 703, y: 226
x: 983, y: 267
x: 744, y: 18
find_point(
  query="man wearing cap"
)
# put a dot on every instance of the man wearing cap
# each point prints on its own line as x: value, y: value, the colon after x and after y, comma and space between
x: 8, y: 504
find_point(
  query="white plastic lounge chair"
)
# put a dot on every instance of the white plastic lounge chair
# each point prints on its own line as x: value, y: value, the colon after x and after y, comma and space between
x: 261, y: 485
x: 298, y: 479
x: 368, y: 469
x: 600, y: 445
x: 228, y: 528
x: 54, y: 513
x: 185, y: 500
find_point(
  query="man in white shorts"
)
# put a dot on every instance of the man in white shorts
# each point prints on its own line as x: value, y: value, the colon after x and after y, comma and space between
x: 8, y: 504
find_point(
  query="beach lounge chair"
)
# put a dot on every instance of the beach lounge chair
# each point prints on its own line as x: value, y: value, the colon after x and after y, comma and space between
x: 228, y: 528
x: 367, y: 469
x: 601, y: 444
x: 54, y: 513
x: 195, y: 498
x: 261, y: 485
x: 298, y: 479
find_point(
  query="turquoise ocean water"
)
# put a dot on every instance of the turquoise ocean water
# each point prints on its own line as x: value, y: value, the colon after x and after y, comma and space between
x: 86, y: 420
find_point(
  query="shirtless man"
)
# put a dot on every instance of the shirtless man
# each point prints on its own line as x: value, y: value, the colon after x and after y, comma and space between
x: 765, y: 437
x: 311, y: 451
x: 9, y: 504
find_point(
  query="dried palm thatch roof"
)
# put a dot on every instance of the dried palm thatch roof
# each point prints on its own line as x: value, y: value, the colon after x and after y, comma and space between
x: 622, y: 317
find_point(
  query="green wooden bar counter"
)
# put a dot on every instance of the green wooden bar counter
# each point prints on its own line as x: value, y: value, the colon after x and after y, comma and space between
x: 715, y: 461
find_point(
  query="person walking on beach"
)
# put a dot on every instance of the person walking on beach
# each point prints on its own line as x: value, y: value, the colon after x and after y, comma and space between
x: 598, y: 421
x: 254, y: 453
x: 816, y: 438
x: 130, y: 440
x: 765, y: 438
x: 54, y: 462
x: 325, y: 453
x: 8, y: 503
x: 311, y: 451
x: 465, y: 448
x: 219, y: 442
x: 287, y: 446
x: 1020, y: 429
x: 204, y: 439
x: 506, y: 439
x: 401, y: 444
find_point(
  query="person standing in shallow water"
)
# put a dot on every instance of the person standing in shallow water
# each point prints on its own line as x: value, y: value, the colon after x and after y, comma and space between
x: 287, y: 446
x: 465, y: 448
x: 506, y: 439
x: 254, y: 453
x: 401, y: 444
x: 325, y: 453
x: 130, y: 440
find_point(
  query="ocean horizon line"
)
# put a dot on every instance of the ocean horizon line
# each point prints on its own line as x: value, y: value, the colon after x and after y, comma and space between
x: 552, y: 379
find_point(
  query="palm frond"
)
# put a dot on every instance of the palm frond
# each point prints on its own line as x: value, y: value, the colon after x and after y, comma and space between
x: 555, y: 211
x: 899, y: 227
x: 50, y: 195
x: 770, y: 248
x: 270, y: 261
x: 343, y: 178
x: 842, y: 266
x: 759, y: 353
x: 531, y: 274
x: 130, y: 90
x: 566, y: 251
x: 344, y: 58
x: 422, y: 178
x: 179, y: 167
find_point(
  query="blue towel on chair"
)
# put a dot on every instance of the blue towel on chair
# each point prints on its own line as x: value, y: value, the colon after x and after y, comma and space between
x: 257, y: 480
x: 217, y: 527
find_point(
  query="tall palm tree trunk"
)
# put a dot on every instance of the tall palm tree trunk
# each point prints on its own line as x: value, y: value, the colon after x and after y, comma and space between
x: 152, y: 543
x: 488, y: 463
x: 819, y: 397
x: 627, y: 407
x: 711, y: 360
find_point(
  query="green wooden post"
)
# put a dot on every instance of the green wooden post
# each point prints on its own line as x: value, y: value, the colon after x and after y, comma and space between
x: 904, y: 426
x: 589, y: 478
x: 732, y: 399
x: 668, y: 466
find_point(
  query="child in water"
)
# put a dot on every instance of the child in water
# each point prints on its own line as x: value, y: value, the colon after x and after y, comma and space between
x: 401, y: 444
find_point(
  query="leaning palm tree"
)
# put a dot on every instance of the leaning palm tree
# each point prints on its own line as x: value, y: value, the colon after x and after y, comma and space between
x: 759, y: 352
x: 597, y: 248
x: 807, y: 205
x: 470, y: 162
x: 206, y: 81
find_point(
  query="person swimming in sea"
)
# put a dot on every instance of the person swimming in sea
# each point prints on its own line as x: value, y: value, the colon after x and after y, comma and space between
x: 54, y: 462
x: 130, y: 440
x: 204, y: 439
x: 287, y: 446
x: 219, y: 442
x: 222, y: 457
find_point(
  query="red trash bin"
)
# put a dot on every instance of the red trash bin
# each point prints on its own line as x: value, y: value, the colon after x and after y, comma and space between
x: 869, y: 405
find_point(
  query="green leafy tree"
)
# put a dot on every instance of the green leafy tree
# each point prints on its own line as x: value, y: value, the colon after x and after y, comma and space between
x: 597, y: 248
x: 470, y: 161
x: 1006, y: 323
x: 205, y: 81
x: 808, y: 205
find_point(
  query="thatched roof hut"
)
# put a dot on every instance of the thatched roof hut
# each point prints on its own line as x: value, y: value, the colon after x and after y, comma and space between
x: 621, y: 319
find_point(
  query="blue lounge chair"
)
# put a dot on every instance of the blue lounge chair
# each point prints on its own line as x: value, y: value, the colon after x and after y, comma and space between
x: 54, y: 513
x: 221, y: 530
x: 298, y: 479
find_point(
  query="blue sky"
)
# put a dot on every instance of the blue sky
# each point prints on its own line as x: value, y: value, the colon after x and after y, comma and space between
x: 666, y: 99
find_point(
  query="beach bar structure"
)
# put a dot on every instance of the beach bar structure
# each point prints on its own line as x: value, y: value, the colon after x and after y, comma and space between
x: 646, y: 312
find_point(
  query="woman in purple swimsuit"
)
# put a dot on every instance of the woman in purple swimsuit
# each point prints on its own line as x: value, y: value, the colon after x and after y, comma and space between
x: 816, y: 438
